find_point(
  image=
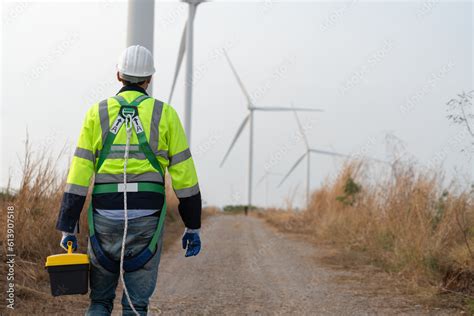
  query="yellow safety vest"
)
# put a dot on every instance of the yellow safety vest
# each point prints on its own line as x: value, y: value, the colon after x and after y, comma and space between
x: 167, y: 140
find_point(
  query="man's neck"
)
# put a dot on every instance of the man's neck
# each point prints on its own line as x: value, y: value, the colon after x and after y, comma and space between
x: 133, y: 88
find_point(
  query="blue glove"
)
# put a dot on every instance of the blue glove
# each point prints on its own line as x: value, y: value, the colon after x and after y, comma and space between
x: 68, y: 237
x: 192, y: 242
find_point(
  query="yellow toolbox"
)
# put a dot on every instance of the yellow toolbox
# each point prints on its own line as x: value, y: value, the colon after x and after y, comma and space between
x: 68, y: 273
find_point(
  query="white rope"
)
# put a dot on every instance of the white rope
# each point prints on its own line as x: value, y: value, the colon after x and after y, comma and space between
x: 128, y: 127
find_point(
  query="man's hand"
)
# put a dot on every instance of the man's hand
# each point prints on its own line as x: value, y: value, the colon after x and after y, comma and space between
x: 192, y: 242
x: 68, y: 237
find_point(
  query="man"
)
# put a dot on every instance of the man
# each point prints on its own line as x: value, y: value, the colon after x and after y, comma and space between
x: 150, y: 132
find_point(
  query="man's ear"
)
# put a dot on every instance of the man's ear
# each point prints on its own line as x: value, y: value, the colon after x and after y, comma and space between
x: 118, y: 77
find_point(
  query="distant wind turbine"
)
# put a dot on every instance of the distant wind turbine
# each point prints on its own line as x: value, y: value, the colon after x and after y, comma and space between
x: 307, y: 154
x: 250, y: 116
x: 187, y: 45
x: 265, y: 178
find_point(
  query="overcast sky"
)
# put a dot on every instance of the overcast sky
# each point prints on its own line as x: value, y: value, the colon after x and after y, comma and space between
x: 377, y: 68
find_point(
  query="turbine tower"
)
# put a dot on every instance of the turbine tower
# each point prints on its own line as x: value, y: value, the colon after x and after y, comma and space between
x: 141, y: 24
x: 307, y: 155
x: 187, y: 45
x: 250, y: 118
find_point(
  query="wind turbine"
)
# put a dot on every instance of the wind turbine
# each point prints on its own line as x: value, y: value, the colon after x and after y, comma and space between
x: 250, y: 118
x: 307, y: 155
x: 186, y: 45
x: 140, y: 25
x: 265, y: 177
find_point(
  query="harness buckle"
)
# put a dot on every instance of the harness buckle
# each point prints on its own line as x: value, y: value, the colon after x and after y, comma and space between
x: 128, y: 111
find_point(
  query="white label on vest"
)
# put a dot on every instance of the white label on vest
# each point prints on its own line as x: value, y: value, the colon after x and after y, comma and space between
x: 137, y: 124
x: 131, y: 187
x: 116, y: 126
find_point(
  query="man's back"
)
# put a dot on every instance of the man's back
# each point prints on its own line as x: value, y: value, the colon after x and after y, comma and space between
x: 167, y: 140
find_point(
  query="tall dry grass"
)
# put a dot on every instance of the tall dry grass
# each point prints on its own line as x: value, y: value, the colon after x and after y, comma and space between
x: 408, y: 223
x: 36, y: 204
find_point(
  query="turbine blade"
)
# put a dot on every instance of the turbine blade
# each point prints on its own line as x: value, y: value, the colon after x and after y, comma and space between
x: 278, y: 108
x: 261, y: 179
x: 292, y: 168
x: 179, y: 61
x: 247, y: 95
x: 239, y: 131
x: 329, y: 153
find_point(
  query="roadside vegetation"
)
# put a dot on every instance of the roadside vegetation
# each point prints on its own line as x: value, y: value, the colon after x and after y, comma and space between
x: 36, y: 205
x: 409, y: 224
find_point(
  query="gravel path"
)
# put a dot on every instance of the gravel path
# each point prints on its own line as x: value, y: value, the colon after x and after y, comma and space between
x: 247, y: 268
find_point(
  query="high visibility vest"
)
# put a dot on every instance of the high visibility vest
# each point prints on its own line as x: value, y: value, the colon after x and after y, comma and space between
x: 167, y: 139
x: 159, y: 143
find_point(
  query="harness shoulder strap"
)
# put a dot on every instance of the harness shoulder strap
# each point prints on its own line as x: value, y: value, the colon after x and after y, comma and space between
x: 145, y: 146
x: 125, y: 109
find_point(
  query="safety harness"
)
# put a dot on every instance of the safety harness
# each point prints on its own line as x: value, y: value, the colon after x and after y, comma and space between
x: 128, y: 115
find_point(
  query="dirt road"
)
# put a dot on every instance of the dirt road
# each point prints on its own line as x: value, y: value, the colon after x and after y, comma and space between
x: 246, y: 267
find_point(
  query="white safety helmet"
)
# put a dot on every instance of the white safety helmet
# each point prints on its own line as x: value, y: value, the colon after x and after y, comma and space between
x: 135, y: 64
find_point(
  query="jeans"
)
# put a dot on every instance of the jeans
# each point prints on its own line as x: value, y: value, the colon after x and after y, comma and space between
x: 141, y: 283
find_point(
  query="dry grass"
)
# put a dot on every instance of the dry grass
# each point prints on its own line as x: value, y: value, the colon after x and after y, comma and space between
x: 36, y: 209
x: 409, y: 224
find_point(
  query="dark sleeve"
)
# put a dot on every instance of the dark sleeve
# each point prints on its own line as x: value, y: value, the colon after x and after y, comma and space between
x: 80, y: 173
x: 190, y: 211
x: 70, y: 212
